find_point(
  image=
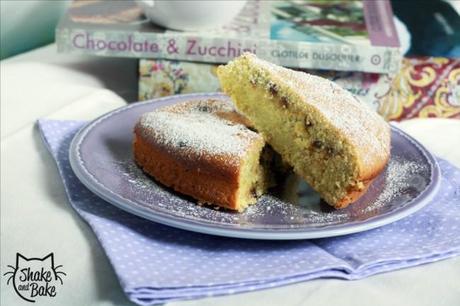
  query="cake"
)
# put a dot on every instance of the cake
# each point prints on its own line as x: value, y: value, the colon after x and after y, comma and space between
x: 204, y: 149
x: 332, y: 140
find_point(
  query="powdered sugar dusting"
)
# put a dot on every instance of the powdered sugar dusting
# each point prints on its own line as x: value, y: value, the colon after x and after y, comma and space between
x: 402, y: 178
x: 196, y: 127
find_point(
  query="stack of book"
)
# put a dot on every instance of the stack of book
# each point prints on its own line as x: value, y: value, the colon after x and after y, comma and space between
x: 352, y: 42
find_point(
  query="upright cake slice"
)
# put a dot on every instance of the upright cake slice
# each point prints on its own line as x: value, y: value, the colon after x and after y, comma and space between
x: 337, y: 144
x: 203, y: 149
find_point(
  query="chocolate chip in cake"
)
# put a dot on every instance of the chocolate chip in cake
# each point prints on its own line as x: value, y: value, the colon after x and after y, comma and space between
x: 330, y: 151
x: 252, y: 128
x: 182, y: 144
x: 318, y: 144
x: 284, y: 101
x: 272, y: 88
x: 254, y: 192
x: 204, y: 109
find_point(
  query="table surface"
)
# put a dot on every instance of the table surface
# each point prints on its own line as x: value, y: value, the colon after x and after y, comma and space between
x: 36, y: 218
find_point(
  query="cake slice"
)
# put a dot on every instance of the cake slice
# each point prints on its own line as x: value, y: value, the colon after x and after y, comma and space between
x: 203, y: 149
x: 334, y: 142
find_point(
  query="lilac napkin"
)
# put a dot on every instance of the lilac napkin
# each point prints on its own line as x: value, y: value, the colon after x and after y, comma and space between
x: 158, y: 264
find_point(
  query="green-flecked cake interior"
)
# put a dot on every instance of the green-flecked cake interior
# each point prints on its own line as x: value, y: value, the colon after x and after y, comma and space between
x: 302, y: 133
x: 255, y: 176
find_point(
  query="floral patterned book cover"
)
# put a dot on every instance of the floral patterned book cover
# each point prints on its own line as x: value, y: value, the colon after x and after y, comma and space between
x: 346, y: 35
x: 424, y: 87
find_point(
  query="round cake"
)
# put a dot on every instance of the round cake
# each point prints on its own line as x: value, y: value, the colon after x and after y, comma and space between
x: 331, y: 139
x: 205, y: 150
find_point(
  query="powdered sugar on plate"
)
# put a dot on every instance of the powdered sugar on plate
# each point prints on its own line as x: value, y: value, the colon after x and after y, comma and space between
x: 402, y: 178
x: 394, y: 188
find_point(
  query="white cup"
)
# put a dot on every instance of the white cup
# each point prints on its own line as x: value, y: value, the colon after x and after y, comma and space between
x: 191, y: 15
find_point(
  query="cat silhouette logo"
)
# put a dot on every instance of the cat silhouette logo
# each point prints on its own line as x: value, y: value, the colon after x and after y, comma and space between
x: 34, y: 278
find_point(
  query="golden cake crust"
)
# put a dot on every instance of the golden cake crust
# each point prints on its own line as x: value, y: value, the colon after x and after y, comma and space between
x: 196, y: 148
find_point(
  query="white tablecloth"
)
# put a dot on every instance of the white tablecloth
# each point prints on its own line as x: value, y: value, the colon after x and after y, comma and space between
x: 36, y: 218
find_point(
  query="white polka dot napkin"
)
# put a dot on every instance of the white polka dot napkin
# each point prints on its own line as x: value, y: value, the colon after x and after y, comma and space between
x: 158, y: 264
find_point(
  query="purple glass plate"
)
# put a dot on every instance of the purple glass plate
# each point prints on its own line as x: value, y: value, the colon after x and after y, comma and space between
x: 101, y: 157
